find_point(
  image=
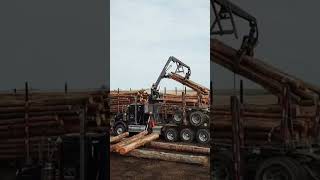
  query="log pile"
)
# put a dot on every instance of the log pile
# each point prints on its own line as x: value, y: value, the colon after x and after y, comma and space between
x: 262, y: 123
x: 132, y: 147
x: 44, y: 115
x: 119, y: 100
x: 269, y: 77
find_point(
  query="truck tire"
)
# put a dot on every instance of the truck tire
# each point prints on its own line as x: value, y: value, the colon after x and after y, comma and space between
x: 203, y: 136
x: 119, y: 129
x: 196, y: 118
x: 177, y: 117
x: 222, y: 166
x: 187, y: 135
x: 280, y: 168
x: 171, y: 134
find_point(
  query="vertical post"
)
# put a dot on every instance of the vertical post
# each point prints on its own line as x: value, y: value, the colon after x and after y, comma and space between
x: 66, y: 88
x: 135, y: 110
x: 176, y: 90
x: 26, y: 121
x: 211, y: 94
x: 164, y: 103
x: 184, y: 109
x: 82, y: 117
x: 284, y: 131
x: 241, y: 91
x: 235, y: 109
x: 118, y: 105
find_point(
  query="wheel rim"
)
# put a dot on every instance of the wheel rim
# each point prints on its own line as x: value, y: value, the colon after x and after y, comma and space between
x: 120, y: 130
x: 177, y: 117
x: 220, y: 172
x: 186, y: 136
x: 203, y: 137
x: 170, y: 135
x: 276, y: 173
x: 196, y: 118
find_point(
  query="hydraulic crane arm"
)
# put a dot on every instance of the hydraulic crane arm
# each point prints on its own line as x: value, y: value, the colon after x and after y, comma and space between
x: 226, y: 12
x: 180, y: 68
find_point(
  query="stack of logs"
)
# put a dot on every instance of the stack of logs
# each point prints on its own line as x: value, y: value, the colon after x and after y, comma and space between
x: 269, y: 77
x: 143, y: 145
x: 119, y: 100
x: 44, y: 115
x: 262, y: 123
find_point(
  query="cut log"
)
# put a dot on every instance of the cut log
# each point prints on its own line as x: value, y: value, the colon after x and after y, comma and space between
x: 119, y: 137
x: 151, y: 154
x: 139, y: 142
x: 116, y: 147
x: 179, y: 147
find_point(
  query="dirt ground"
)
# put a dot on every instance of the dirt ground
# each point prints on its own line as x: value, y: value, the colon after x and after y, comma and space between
x: 122, y: 167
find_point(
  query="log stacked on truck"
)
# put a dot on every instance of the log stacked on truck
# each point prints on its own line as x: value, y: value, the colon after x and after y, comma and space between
x: 269, y: 77
x: 262, y: 123
x: 43, y: 115
x: 119, y: 100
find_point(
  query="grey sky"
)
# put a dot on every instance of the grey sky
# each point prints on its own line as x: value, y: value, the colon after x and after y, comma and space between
x: 289, y: 38
x: 50, y: 42
x: 145, y: 33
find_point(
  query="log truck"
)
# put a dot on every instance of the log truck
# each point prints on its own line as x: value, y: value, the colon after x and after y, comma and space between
x: 290, y: 160
x: 185, y: 124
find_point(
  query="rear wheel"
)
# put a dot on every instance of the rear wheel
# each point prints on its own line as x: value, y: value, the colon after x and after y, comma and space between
x: 119, y: 129
x: 187, y: 135
x: 280, y: 168
x: 171, y: 134
x: 203, y: 136
x: 177, y: 117
x: 196, y: 118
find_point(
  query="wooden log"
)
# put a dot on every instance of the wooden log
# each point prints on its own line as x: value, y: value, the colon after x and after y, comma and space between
x: 139, y: 142
x: 119, y: 137
x: 116, y: 147
x: 151, y: 154
x: 179, y: 147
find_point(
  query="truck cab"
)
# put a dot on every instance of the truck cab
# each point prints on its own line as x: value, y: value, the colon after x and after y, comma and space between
x: 135, y: 119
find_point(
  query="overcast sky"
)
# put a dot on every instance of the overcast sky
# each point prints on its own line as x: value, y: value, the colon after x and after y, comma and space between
x: 288, y: 38
x: 48, y: 43
x: 145, y: 33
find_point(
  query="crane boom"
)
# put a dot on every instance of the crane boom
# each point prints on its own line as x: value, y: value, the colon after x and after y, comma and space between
x: 175, y: 75
x: 226, y: 12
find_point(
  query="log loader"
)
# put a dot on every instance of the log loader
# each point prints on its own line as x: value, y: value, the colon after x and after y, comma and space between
x: 240, y: 159
x: 185, y: 124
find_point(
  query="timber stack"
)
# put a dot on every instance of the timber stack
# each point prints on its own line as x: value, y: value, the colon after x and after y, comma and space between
x: 119, y: 100
x: 297, y: 105
x: 30, y: 120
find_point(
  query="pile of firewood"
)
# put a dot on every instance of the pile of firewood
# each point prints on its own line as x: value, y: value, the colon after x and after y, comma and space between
x: 43, y: 115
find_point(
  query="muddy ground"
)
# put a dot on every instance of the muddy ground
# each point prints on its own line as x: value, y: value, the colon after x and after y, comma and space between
x: 123, y: 167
